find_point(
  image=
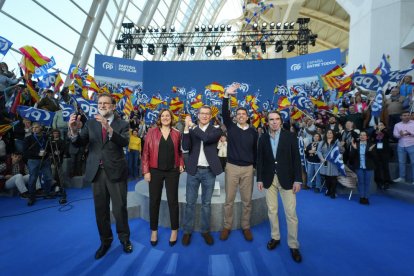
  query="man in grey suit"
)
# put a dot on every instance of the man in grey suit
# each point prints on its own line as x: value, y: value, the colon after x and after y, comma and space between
x: 106, y: 168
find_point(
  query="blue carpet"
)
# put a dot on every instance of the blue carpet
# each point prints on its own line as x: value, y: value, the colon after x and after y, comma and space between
x: 338, y: 237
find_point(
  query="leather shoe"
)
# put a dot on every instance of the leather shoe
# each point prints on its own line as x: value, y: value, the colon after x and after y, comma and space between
x: 248, y: 236
x: 272, y: 244
x: 296, y: 255
x: 186, y: 239
x: 208, y: 238
x: 127, y: 246
x: 102, y: 250
x: 154, y: 243
x: 224, y: 235
x: 172, y: 243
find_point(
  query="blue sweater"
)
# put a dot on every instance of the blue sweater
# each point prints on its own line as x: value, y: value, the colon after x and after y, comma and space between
x: 242, y: 144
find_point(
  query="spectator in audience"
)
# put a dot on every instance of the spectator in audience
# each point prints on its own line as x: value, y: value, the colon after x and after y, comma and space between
x: 404, y: 132
x: 362, y: 156
x: 162, y: 161
x: 313, y: 163
x: 370, y: 121
x: 21, y: 131
x: 14, y: 173
x: 38, y: 161
x: 222, y: 150
x: 200, y: 140
x: 58, y: 149
x: 134, y: 153
x: 334, y: 126
x: 342, y: 114
x: 406, y: 86
x: 4, y: 70
x: 241, y: 160
x: 394, y: 108
x: 60, y: 124
x: 382, y: 172
x: 359, y: 105
x: 328, y: 169
x: 355, y: 117
x: 48, y: 102
x: 346, y: 139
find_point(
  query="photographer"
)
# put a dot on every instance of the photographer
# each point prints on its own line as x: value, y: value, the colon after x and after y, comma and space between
x: 58, y: 149
x: 37, y: 154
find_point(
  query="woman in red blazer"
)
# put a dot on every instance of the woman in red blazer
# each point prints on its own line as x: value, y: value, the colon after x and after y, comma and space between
x: 162, y: 160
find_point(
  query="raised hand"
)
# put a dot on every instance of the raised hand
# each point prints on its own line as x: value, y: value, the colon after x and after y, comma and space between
x: 74, y: 123
x: 231, y: 90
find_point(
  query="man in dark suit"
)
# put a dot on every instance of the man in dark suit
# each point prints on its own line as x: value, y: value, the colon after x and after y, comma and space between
x: 279, y: 170
x: 106, y: 168
x: 202, y: 167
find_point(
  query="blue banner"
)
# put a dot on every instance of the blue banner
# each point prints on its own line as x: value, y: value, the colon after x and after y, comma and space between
x: 48, y: 80
x: 89, y: 108
x: 335, y: 157
x: 368, y: 81
x: 41, y: 71
x: 118, y: 68
x: 5, y: 45
x: 67, y: 110
x: 36, y: 115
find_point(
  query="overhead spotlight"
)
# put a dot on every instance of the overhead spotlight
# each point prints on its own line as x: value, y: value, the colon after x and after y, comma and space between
x: 137, y: 30
x: 197, y: 28
x: 203, y: 28
x: 156, y: 29
x: 272, y: 25
x: 164, y: 49
x: 303, y: 20
x: 234, y: 50
x: 143, y: 29
x: 140, y: 49
x: 163, y: 29
x: 217, y: 50
x: 118, y: 46
x: 151, y: 49
x: 264, y: 26
x: 290, y: 46
x: 216, y: 28
x: 312, y: 39
x: 119, y: 41
x: 222, y: 27
x: 278, y: 46
x: 172, y: 28
x: 255, y: 26
x: 263, y: 47
x: 291, y: 25
x: 128, y: 25
x: 192, y: 51
x: 149, y: 28
x: 228, y: 27
x: 209, y: 50
x: 210, y: 28
x: 285, y: 26
x: 180, y: 49
x: 278, y: 25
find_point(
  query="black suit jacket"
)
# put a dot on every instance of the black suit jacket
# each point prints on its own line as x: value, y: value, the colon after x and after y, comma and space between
x: 286, y: 164
x: 192, y: 142
x: 111, y: 151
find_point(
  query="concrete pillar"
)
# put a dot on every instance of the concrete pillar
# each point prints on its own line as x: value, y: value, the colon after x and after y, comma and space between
x: 380, y: 27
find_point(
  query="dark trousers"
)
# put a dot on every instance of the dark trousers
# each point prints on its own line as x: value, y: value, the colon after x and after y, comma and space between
x: 223, y: 161
x: 382, y: 170
x: 105, y: 190
x: 171, y: 178
x: 330, y: 182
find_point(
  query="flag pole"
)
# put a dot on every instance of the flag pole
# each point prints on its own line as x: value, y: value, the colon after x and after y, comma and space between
x: 329, y: 152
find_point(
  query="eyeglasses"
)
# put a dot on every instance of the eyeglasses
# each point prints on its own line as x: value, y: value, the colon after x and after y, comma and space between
x: 204, y: 114
x: 103, y: 103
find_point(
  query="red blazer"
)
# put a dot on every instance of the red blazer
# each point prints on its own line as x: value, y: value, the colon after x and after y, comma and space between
x: 151, y: 145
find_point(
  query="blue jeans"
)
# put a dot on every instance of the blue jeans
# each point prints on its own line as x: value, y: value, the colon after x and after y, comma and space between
x: 37, y: 168
x: 402, y: 160
x: 364, y: 181
x: 311, y: 170
x: 206, y: 178
x: 133, y: 163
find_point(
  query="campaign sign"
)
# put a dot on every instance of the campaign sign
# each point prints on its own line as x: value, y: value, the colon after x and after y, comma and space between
x: 44, y: 117
x: 41, y: 71
x: 118, y: 68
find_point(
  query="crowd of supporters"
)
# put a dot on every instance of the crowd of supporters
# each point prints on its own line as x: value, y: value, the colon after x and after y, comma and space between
x: 363, y: 140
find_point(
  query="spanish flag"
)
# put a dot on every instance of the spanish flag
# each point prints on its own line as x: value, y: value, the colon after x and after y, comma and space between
x: 32, y: 58
x: 176, y: 104
x: 256, y: 120
x: 198, y: 102
x: 283, y: 102
x: 58, y: 82
x: 215, y: 87
x: 233, y: 102
x: 296, y: 114
x: 33, y: 94
x: 6, y: 127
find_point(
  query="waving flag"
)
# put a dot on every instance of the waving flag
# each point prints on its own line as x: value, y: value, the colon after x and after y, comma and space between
x: 44, y: 117
x: 67, y: 110
x: 377, y: 103
x: 285, y: 114
x: 6, y: 127
x: 5, y: 45
x: 89, y: 108
x: 256, y: 120
x: 32, y: 58
x: 47, y: 81
x: 233, y: 102
x: 335, y: 157
x: 58, y: 82
x: 128, y: 106
x: 301, y: 144
x: 384, y: 67
x: 283, y: 102
x: 215, y: 87
x: 176, y: 104
x: 302, y: 103
x: 198, y: 102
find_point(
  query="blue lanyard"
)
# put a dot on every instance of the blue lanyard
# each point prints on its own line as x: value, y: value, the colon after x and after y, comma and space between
x: 37, y: 140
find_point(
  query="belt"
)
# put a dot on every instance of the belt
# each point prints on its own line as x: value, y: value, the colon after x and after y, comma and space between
x: 203, y: 167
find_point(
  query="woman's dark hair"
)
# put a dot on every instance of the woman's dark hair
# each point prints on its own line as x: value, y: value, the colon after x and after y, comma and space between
x: 325, y: 137
x: 171, y: 114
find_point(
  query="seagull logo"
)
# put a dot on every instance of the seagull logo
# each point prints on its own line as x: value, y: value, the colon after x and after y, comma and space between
x: 295, y: 67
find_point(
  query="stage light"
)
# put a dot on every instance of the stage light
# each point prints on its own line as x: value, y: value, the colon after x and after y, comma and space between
x: 312, y: 39
x: 264, y: 26
x: 156, y: 29
x: 216, y: 28
x: 272, y: 25
x: 285, y: 26
x: 278, y: 25
x: 172, y: 28
x: 151, y: 49
x: 140, y: 49
x: 234, y: 50
x: 228, y: 27
x: 128, y: 25
x: 118, y: 46
x: 209, y: 50
x: 290, y: 46
x: 255, y: 26
x: 263, y: 47
x: 180, y: 49
x: 222, y: 27
x: 210, y: 28
x: 197, y: 28
x: 192, y: 51
x: 278, y: 46
x: 149, y: 28
x: 164, y: 49
x: 163, y: 29
x: 119, y: 41
x: 137, y: 30
x: 203, y: 28
x: 143, y: 29
x: 292, y: 25
x: 217, y: 50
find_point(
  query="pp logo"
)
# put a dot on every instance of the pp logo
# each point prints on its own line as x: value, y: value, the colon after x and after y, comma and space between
x: 107, y: 65
x: 295, y: 67
x: 4, y: 44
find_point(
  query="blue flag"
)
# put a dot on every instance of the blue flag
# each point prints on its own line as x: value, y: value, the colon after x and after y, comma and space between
x: 47, y: 81
x: 377, y: 103
x: 335, y: 157
x: 151, y: 116
x: 41, y: 71
x: 89, y: 108
x: 41, y: 116
x: 285, y: 114
x: 67, y: 110
x: 5, y: 45
x: 301, y: 144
